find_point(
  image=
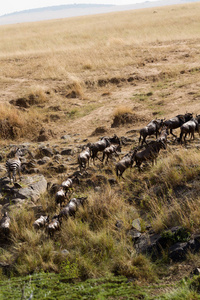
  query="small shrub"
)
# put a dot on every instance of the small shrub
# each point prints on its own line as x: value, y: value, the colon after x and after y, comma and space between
x: 36, y: 96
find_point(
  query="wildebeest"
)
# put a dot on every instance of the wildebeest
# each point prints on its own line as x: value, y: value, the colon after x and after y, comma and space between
x: 54, y: 225
x: 198, y: 118
x: 149, y: 153
x: 124, y: 163
x: 177, y: 122
x: 163, y: 135
x: 60, y: 196
x: 151, y: 128
x: 189, y: 128
x: 5, y: 224
x: 71, y: 208
x: 109, y: 151
x: 101, y: 145
x: 41, y: 222
x: 83, y: 158
x: 68, y: 184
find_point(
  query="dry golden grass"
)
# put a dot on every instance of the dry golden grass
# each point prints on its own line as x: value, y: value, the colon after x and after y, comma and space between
x: 16, y: 124
x: 122, y: 109
x: 89, y: 41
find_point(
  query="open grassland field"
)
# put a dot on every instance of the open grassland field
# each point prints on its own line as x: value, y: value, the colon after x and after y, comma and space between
x: 65, y: 83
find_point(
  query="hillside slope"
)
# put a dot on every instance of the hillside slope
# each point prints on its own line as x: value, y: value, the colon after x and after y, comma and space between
x: 63, y: 90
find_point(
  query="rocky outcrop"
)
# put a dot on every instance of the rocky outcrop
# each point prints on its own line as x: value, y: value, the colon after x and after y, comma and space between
x: 30, y: 187
x: 176, y: 241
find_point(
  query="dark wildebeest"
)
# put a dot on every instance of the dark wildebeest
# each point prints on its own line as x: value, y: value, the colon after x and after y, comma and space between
x: 177, y: 122
x: 83, y: 158
x: 198, y: 118
x: 150, y: 153
x: 151, y: 128
x: 189, y: 128
x: 109, y: 151
x: 102, y: 144
x: 125, y: 163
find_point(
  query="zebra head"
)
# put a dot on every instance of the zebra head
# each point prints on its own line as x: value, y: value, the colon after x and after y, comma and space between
x: 18, y: 152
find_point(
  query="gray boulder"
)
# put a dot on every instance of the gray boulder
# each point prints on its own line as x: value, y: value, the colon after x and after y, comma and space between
x: 34, y: 189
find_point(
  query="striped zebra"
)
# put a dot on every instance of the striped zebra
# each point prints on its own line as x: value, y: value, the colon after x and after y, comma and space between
x: 13, y: 165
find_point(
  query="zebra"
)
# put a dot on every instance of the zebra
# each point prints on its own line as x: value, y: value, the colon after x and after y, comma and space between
x: 13, y: 165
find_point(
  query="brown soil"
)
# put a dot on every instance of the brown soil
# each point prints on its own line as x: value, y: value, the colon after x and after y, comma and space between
x: 161, y: 87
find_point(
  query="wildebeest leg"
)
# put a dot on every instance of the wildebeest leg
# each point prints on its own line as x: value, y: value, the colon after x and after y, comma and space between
x: 103, y: 157
x: 139, y: 166
x: 192, y: 134
x: 185, y: 138
x: 180, y: 138
x: 172, y: 133
x: 157, y: 133
x: 140, y: 138
x: 143, y: 140
x: 99, y: 158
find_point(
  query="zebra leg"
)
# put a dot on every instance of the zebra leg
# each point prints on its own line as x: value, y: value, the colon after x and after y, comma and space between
x: 14, y: 175
x: 9, y: 175
x: 18, y: 171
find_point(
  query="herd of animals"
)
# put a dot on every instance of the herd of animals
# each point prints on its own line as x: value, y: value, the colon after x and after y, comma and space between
x: 108, y: 146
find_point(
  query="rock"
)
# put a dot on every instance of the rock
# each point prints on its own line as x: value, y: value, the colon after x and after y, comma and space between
x: 21, y: 102
x: 44, y: 160
x: 68, y: 151
x: 119, y: 224
x: 33, y: 190
x: 33, y: 171
x: 17, y: 201
x: 42, y: 138
x: 136, y: 224
x: 57, y: 157
x: 101, y: 179
x: 46, y: 151
x: 66, y: 137
x: 99, y: 130
x: 61, y: 169
x: 90, y: 183
x: 112, y: 181
x: 134, y: 234
x: 32, y: 163
x: 178, y: 251
x: 65, y: 252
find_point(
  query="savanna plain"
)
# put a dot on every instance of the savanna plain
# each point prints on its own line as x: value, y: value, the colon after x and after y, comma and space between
x: 65, y: 83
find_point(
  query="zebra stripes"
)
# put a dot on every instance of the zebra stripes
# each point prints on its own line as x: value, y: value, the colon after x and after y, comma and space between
x: 13, y: 166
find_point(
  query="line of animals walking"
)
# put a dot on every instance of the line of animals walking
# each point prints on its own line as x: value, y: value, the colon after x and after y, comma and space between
x: 109, y: 146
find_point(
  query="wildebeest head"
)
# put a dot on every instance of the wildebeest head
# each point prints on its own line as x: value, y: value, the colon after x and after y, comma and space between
x: 115, y: 140
x: 159, y: 123
x: 188, y: 116
x: 76, y: 179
